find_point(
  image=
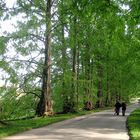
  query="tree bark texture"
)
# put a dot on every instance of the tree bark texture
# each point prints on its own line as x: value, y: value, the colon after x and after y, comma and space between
x: 45, y: 104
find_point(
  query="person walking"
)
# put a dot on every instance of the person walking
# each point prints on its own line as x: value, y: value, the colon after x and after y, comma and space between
x: 117, y: 107
x: 123, y: 108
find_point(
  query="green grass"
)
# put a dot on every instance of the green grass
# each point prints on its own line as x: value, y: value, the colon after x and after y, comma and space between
x: 18, y: 126
x: 133, y: 123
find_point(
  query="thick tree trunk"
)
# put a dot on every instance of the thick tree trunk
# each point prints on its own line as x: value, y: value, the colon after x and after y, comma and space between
x: 45, y: 104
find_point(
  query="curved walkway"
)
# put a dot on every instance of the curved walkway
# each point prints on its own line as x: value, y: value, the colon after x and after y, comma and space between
x: 98, y: 126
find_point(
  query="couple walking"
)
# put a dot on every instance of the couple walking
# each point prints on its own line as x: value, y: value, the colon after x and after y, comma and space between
x: 118, y: 106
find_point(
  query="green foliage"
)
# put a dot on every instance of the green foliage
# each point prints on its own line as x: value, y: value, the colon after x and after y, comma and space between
x: 95, y: 47
x: 133, y: 124
x: 2, y: 8
x: 16, y: 104
x: 27, y: 124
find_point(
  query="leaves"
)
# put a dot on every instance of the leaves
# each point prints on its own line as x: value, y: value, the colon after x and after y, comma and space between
x: 93, y: 42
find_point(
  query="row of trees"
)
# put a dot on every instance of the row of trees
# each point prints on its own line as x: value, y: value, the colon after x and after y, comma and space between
x: 69, y: 55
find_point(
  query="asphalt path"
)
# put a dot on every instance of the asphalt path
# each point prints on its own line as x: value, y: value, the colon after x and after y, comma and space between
x: 97, y: 126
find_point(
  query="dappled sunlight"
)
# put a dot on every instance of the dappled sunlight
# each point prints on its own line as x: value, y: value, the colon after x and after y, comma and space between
x: 99, y: 126
x: 64, y: 58
x: 74, y: 134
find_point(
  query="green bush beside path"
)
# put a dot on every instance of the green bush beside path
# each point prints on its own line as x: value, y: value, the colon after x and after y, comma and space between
x: 134, y: 125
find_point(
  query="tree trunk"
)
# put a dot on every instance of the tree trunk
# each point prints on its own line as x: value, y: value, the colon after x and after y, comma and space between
x: 88, y: 102
x: 64, y: 61
x: 99, y: 102
x: 107, y: 101
x: 74, y: 66
x: 64, y: 95
x: 45, y: 104
x: 78, y: 71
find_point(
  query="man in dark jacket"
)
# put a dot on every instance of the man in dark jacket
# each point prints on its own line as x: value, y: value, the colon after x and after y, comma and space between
x: 117, y: 107
x: 123, y: 108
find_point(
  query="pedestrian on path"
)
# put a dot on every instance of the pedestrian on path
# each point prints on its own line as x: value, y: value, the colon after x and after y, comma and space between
x: 117, y: 107
x: 123, y: 108
x: 109, y: 128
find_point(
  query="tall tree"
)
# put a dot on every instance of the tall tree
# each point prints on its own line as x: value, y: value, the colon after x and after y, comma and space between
x: 45, y: 104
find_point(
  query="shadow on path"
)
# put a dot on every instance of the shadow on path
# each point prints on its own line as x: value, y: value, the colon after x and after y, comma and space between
x: 99, y: 126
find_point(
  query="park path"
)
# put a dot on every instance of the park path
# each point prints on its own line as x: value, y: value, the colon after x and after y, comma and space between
x: 98, y: 126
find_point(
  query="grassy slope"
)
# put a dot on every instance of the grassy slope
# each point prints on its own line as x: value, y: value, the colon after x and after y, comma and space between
x: 134, y: 125
x: 17, y: 126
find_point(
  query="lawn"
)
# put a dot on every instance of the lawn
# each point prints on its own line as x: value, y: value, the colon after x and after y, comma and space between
x: 18, y: 126
x: 134, y: 125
